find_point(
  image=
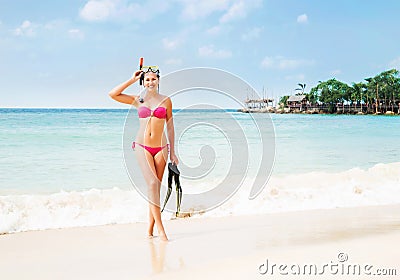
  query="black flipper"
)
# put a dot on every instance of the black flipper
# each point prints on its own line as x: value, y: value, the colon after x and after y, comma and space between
x: 170, y: 175
x: 173, y: 173
x: 178, y: 194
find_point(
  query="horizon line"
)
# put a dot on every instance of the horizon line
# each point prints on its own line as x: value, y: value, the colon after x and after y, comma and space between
x: 110, y: 108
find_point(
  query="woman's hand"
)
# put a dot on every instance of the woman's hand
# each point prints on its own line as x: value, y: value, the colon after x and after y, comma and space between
x: 173, y: 158
x: 136, y: 76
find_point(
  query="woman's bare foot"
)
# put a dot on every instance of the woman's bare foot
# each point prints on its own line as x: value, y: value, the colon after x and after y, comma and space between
x: 163, y: 236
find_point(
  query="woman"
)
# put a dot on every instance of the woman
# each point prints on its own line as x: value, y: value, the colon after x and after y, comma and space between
x: 154, y: 110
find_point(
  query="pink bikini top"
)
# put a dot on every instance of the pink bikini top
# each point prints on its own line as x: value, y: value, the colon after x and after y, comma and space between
x: 159, y: 112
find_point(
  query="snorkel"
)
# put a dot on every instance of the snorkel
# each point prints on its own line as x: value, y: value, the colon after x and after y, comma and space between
x: 146, y: 69
x: 141, y: 63
x: 141, y: 100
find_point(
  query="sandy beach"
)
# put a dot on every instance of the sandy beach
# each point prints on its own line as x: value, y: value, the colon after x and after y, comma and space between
x: 231, y: 248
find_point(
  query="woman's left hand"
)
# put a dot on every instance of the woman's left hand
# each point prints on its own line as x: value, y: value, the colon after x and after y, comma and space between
x: 173, y: 158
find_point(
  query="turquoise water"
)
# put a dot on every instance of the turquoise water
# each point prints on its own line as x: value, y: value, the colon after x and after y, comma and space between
x: 48, y: 150
x: 335, y: 142
x: 66, y: 167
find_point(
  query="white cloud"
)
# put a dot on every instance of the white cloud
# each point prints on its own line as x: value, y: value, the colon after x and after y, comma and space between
x: 219, y: 29
x: 27, y: 28
x: 76, y: 34
x: 98, y: 10
x: 252, y: 34
x: 230, y: 9
x: 210, y: 51
x: 102, y: 10
x: 395, y: 63
x: 282, y: 63
x: 145, y: 11
x: 193, y: 10
x: 268, y: 62
x: 302, y: 18
x: 239, y: 9
x: 55, y: 25
x: 336, y: 72
x: 170, y: 44
x: 215, y: 30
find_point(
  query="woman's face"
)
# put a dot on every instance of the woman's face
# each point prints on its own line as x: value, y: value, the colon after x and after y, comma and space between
x: 151, y: 80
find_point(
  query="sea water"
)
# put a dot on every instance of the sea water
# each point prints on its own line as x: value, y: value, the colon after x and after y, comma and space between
x: 65, y: 167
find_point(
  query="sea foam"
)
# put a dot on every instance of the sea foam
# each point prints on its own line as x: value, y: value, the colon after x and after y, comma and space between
x: 378, y: 185
x: 70, y: 209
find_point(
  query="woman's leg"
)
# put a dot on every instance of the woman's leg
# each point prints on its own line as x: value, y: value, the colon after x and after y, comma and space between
x: 151, y: 223
x: 160, y: 161
x: 152, y: 168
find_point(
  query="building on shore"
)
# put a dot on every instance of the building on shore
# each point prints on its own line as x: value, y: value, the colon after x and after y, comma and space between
x: 300, y: 104
x: 297, y: 102
x: 258, y: 105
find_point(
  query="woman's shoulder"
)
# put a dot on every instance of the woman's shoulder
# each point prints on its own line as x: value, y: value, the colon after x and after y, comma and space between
x: 162, y: 96
x: 165, y: 98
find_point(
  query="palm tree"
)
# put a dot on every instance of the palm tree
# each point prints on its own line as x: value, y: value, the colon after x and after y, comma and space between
x: 357, y: 93
x: 372, y: 87
x: 383, y: 86
x: 302, y: 88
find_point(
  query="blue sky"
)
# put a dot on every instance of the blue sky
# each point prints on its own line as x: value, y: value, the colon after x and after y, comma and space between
x: 71, y: 53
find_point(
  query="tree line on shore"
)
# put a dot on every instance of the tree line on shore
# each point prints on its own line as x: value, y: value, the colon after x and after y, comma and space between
x: 381, y: 92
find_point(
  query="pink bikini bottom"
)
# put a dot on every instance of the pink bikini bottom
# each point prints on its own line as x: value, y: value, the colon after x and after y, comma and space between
x: 152, y: 150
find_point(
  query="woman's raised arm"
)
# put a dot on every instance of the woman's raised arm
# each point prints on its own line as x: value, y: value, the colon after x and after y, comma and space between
x: 116, y: 93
